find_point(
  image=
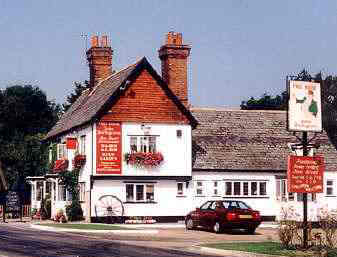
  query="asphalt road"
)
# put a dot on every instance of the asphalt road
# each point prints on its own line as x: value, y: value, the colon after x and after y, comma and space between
x: 18, y: 239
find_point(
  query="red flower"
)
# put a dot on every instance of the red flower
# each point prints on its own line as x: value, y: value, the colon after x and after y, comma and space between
x: 79, y: 161
x: 60, y: 165
x: 144, y: 159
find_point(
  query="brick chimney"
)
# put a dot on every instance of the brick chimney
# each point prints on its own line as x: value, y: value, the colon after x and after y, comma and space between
x: 173, y: 56
x: 99, y: 57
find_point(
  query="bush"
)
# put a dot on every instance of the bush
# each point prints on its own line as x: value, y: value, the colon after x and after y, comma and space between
x: 74, y: 211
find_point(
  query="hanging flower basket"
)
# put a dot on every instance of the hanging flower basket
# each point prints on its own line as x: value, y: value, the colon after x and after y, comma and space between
x: 79, y: 161
x: 144, y: 159
x: 61, y: 165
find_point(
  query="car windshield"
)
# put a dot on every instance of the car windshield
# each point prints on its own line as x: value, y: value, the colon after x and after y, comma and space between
x: 243, y: 205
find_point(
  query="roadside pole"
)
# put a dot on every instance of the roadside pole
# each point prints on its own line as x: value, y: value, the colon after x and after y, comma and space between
x: 305, y: 195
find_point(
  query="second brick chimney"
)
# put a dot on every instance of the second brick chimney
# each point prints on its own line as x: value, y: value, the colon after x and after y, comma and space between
x: 173, y: 56
x: 99, y: 57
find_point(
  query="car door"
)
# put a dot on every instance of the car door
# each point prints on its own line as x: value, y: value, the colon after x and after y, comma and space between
x: 204, y: 213
x: 211, y: 215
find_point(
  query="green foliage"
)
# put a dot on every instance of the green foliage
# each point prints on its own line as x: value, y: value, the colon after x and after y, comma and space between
x: 74, y: 211
x: 25, y: 117
x: 266, y: 102
x: 78, y: 89
x: 70, y: 180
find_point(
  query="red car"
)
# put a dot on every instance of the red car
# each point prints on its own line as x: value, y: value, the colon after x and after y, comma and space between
x: 218, y: 215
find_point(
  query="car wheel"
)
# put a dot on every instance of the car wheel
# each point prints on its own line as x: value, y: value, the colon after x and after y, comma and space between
x: 251, y: 230
x: 217, y: 227
x: 190, y: 224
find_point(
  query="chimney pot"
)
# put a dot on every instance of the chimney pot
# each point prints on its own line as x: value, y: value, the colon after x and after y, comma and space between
x: 94, y: 41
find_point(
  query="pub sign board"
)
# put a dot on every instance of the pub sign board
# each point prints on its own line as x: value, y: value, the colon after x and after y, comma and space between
x: 13, y: 202
x: 305, y: 174
x: 108, y: 147
x: 304, y: 106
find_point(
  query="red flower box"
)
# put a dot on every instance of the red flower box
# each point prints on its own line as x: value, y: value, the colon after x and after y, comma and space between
x: 79, y: 161
x: 144, y: 159
x: 60, y: 165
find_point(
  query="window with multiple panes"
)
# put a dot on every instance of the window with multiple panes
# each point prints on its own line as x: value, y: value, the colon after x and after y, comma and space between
x: 245, y: 188
x: 64, y: 194
x: 139, y: 192
x: 283, y: 195
x: 82, y: 144
x: 61, y: 151
x: 215, y: 188
x: 145, y: 144
x: 330, y: 187
x: 199, y: 188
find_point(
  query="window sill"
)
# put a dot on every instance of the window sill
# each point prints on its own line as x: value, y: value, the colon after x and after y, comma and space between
x: 181, y: 196
x: 330, y: 196
x: 143, y: 202
x: 200, y: 196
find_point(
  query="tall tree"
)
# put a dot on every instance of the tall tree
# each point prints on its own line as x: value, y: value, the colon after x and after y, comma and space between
x: 25, y: 117
x: 72, y: 97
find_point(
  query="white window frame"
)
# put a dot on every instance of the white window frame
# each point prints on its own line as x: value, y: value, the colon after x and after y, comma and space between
x: 63, y: 194
x: 83, y: 144
x: 216, y: 187
x: 241, y: 192
x: 282, y: 194
x: 143, y: 143
x: 62, y: 152
x: 146, y: 186
x: 199, y: 185
x: 332, y: 187
x: 182, y: 191
x: 82, y: 191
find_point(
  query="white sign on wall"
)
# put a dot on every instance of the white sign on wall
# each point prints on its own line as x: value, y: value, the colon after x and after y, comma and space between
x: 304, y: 112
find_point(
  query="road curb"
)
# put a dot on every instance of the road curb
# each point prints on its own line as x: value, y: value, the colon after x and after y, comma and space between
x: 233, y: 253
x: 46, y: 228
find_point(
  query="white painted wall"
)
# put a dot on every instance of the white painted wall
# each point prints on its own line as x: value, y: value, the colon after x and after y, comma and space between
x: 177, y: 152
x: 167, y: 203
x: 267, y: 206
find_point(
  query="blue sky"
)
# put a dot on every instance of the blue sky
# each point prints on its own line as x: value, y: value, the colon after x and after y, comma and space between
x: 239, y: 48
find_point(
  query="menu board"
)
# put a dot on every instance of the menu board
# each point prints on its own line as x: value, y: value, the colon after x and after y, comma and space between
x: 13, y: 203
x: 305, y: 174
x: 108, y: 147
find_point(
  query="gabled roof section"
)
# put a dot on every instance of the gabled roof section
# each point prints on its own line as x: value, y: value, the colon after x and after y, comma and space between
x: 248, y: 140
x: 92, y: 104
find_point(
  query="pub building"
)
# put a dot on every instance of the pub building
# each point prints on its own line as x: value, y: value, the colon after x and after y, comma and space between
x: 144, y: 151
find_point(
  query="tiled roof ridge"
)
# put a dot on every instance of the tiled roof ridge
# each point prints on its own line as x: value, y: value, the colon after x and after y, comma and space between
x: 232, y: 109
x: 115, y: 74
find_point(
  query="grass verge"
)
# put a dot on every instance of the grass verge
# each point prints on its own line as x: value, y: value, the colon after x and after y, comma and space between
x: 270, y: 248
x: 84, y: 226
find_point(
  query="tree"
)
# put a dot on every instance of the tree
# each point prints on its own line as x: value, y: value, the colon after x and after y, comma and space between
x: 279, y: 102
x: 25, y: 117
x: 79, y: 88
